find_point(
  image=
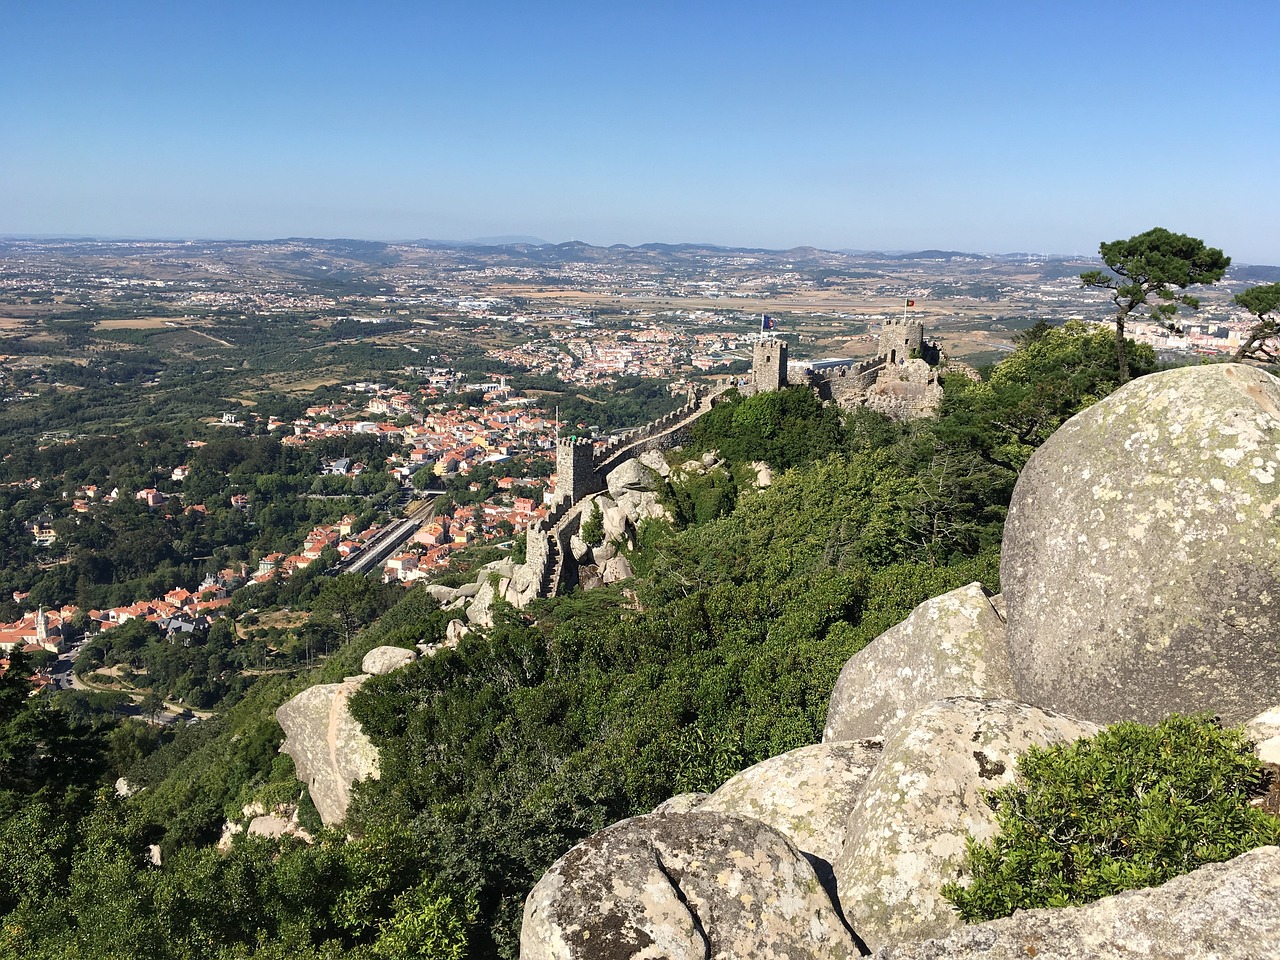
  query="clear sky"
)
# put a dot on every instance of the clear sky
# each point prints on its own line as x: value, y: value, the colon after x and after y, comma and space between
x: 1035, y: 126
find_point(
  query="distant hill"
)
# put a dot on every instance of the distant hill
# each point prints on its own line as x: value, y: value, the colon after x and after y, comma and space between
x: 502, y: 241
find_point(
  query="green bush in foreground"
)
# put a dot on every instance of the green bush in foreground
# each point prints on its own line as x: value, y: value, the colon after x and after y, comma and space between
x: 1130, y: 807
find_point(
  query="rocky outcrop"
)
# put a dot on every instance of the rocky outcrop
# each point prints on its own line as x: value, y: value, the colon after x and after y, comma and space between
x: 1223, y: 911
x: 455, y: 631
x: 655, y: 461
x: 1264, y: 731
x: 807, y: 795
x: 1141, y: 560
x: 681, y: 803
x: 631, y: 475
x: 682, y: 886
x: 907, y: 834
x: 950, y: 646
x: 329, y: 750
x: 616, y: 569
x: 382, y: 660
x: 1143, y: 540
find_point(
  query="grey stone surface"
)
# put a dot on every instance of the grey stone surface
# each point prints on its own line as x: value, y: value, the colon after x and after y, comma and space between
x: 906, y: 837
x: 631, y: 475
x: 1223, y: 911
x: 330, y: 752
x: 455, y: 631
x: 579, y: 548
x: 615, y: 520
x: 681, y: 803
x: 480, y: 610
x: 807, y: 795
x: 615, y: 569
x: 1264, y: 731
x: 655, y: 461
x: 382, y: 660
x: 440, y: 592
x: 504, y: 567
x: 641, y: 505
x: 1143, y: 541
x: 950, y: 646
x: 682, y: 886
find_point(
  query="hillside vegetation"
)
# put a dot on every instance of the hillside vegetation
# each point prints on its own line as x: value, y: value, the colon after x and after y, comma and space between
x: 500, y: 755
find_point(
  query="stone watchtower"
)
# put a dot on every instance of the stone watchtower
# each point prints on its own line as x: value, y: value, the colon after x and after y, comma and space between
x: 575, y: 468
x: 769, y: 366
x: 901, y: 339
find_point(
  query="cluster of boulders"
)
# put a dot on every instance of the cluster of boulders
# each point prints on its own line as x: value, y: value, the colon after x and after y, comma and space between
x: 1140, y: 559
x: 257, y: 820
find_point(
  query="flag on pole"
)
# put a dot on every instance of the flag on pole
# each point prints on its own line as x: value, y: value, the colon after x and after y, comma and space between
x: 911, y: 303
x: 767, y: 322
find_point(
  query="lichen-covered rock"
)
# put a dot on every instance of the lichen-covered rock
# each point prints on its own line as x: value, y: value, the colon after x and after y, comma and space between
x: 522, y: 589
x: 764, y: 474
x: 455, y: 631
x: 906, y: 836
x: 950, y: 646
x: 480, y: 610
x: 631, y: 475
x: 1141, y: 558
x: 681, y: 803
x: 504, y: 567
x: 806, y: 794
x: 1264, y: 731
x: 686, y: 887
x: 641, y: 505
x: 614, y: 521
x: 579, y: 549
x: 330, y: 752
x: 616, y: 569
x: 655, y: 461
x: 440, y: 592
x: 382, y: 660
x: 1222, y: 911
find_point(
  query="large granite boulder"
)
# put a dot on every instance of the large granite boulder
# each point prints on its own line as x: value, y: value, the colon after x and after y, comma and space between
x: 1143, y: 542
x: 382, y: 660
x: 950, y: 646
x: 631, y: 475
x: 1223, y: 911
x: 655, y: 461
x: 807, y: 795
x: 687, y: 886
x: 616, y: 569
x: 1264, y: 731
x: 330, y: 752
x: 681, y: 803
x: 440, y: 592
x: 906, y: 837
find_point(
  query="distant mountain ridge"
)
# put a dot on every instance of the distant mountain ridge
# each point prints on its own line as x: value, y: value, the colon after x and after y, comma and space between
x: 535, y: 250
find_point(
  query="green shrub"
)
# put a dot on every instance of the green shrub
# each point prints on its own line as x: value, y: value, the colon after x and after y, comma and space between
x: 593, y: 526
x: 1129, y: 807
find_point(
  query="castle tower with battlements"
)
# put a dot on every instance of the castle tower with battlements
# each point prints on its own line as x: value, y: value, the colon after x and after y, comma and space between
x: 575, y: 468
x: 768, y: 366
x: 901, y: 340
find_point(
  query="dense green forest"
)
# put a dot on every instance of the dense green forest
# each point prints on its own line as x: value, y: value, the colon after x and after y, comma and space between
x: 578, y: 711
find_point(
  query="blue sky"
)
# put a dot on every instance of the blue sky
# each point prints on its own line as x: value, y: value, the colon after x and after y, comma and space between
x: 984, y: 126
